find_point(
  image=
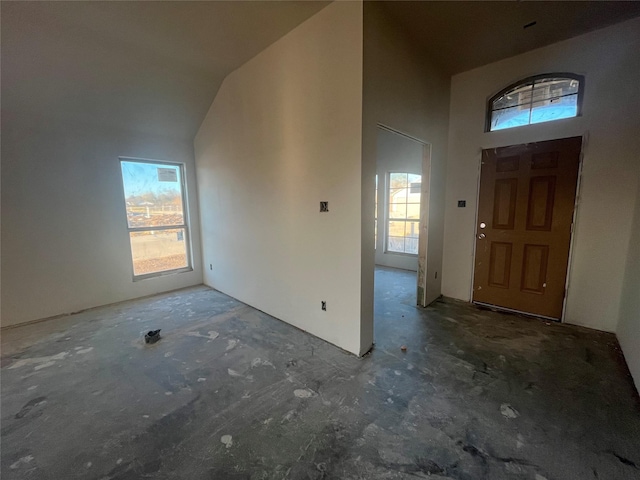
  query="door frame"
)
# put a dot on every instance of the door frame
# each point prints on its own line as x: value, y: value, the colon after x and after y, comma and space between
x: 574, y: 220
x: 423, y: 237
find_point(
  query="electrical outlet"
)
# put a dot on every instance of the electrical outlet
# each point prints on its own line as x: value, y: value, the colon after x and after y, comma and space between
x: 324, y: 207
x: 324, y: 305
x: 211, y: 266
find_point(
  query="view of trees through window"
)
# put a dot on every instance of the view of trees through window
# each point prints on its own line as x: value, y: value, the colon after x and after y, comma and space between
x: 403, y: 225
x: 155, y: 216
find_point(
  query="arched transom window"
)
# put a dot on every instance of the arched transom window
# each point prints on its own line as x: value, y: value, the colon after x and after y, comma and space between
x: 538, y: 99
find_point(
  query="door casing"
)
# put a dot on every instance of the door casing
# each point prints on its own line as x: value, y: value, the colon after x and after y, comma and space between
x: 583, y: 143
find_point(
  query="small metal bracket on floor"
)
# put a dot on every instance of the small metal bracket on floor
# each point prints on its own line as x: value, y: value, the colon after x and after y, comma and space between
x: 152, y: 336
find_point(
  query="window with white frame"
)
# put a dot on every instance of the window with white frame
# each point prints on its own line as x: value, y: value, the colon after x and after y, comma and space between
x: 154, y: 194
x: 538, y: 99
x: 375, y: 218
x: 403, y: 214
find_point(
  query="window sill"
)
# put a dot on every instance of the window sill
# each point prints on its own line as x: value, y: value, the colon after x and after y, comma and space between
x: 137, y: 278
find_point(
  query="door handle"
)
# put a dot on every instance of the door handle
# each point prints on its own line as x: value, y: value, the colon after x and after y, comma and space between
x: 481, y: 236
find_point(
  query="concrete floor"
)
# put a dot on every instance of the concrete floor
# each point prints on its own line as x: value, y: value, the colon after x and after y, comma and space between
x: 230, y: 392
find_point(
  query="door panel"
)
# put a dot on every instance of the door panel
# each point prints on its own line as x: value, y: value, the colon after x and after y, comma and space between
x: 534, y: 268
x: 504, y: 203
x: 542, y: 192
x: 500, y: 264
x: 525, y: 212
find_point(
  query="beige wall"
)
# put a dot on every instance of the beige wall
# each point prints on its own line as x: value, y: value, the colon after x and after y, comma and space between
x: 284, y: 133
x: 403, y: 91
x: 610, y: 62
x: 629, y: 324
x: 65, y: 246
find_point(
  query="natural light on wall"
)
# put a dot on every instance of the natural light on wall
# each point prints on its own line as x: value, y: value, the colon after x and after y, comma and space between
x: 154, y: 196
x: 535, y: 100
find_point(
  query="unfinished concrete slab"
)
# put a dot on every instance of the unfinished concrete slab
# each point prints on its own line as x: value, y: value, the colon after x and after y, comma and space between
x: 230, y: 392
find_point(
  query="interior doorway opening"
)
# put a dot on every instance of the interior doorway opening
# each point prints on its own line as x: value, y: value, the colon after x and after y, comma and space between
x: 401, y: 216
x: 400, y: 187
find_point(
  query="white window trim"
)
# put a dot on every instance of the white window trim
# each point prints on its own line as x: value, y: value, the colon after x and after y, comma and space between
x: 185, y: 219
x: 388, y: 218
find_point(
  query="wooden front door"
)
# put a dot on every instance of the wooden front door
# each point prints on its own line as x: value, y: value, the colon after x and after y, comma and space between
x: 525, y: 216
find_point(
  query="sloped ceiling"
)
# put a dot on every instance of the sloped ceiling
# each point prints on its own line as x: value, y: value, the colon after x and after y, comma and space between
x: 155, y: 67
x: 462, y: 35
x: 147, y: 66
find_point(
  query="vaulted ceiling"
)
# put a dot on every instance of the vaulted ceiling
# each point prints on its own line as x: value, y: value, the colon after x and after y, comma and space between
x: 156, y: 66
x: 148, y: 66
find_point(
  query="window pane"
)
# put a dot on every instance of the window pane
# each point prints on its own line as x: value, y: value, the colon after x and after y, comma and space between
x: 550, y: 88
x: 521, y: 95
x: 413, y: 178
x: 397, y: 180
x: 397, y: 210
x: 413, y: 211
x: 415, y: 189
x: 404, y: 203
x: 403, y: 237
x: 398, y: 195
x: 509, y: 118
x: 396, y: 244
x: 537, y: 101
x: 153, y: 194
x: 375, y: 233
x: 555, y: 109
x: 376, y: 199
x: 375, y: 214
x: 412, y: 229
x: 411, y: 245
x: 396, y: 229
x: 375, y: 218
x: 158, y: 250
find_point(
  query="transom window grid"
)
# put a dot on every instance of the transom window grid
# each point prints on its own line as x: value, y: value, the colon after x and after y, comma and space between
x: 538, y: 99
x: 155, y: 197
x: 403, y: 213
